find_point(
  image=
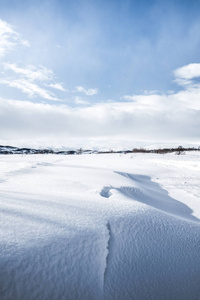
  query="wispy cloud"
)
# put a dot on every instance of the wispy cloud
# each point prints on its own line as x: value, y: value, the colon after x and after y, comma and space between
x: 88, y: 92
x: 80, y: 101
x: 31, y: 72
x: 129, y: 97
x: 30, y: 80
x: 57, y: 86
x: 9, y: 38
x: 29, y: 88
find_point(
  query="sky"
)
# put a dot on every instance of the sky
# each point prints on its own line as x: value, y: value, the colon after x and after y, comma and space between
x: 99, y: 73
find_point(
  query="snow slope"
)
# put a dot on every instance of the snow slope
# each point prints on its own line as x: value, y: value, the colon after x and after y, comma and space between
x: 100, y: 227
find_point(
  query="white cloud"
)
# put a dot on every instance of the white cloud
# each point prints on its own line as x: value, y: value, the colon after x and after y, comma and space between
x: 31, y: 72
x: 183, y: 100
x: 129, y: 97
x: 150, y: 103
x: 9, y: 38
x: 151, y: 92
x: 88, y: 92
x: 79, y: 100
x: 29, y: 88
x: 187, y: 75
x: 183, y: 82
x: 57, y: 86
x: 29, y: 80
x: 188, y: 72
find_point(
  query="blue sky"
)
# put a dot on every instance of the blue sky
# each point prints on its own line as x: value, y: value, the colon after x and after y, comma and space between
x: 99, y: 58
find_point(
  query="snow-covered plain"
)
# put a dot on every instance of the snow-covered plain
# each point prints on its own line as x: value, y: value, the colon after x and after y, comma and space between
x: 100, y: 227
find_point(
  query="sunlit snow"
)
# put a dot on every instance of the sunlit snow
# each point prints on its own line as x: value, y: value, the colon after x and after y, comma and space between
x: 94, y: 226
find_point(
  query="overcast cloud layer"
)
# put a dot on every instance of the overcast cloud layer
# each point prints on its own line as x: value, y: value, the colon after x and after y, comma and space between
x: 44, y: 104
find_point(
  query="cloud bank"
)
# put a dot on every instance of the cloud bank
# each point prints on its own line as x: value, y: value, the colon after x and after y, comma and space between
x: 147, y: 118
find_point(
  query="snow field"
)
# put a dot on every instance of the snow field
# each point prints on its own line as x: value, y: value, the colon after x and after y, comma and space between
x: 100, y: 227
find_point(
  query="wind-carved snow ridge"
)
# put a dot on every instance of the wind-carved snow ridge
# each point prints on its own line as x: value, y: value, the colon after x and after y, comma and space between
x: 108, y: 251
x: 146, y: 191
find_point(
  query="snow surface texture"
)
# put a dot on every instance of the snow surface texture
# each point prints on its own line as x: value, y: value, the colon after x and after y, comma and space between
x: 100, y: 227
